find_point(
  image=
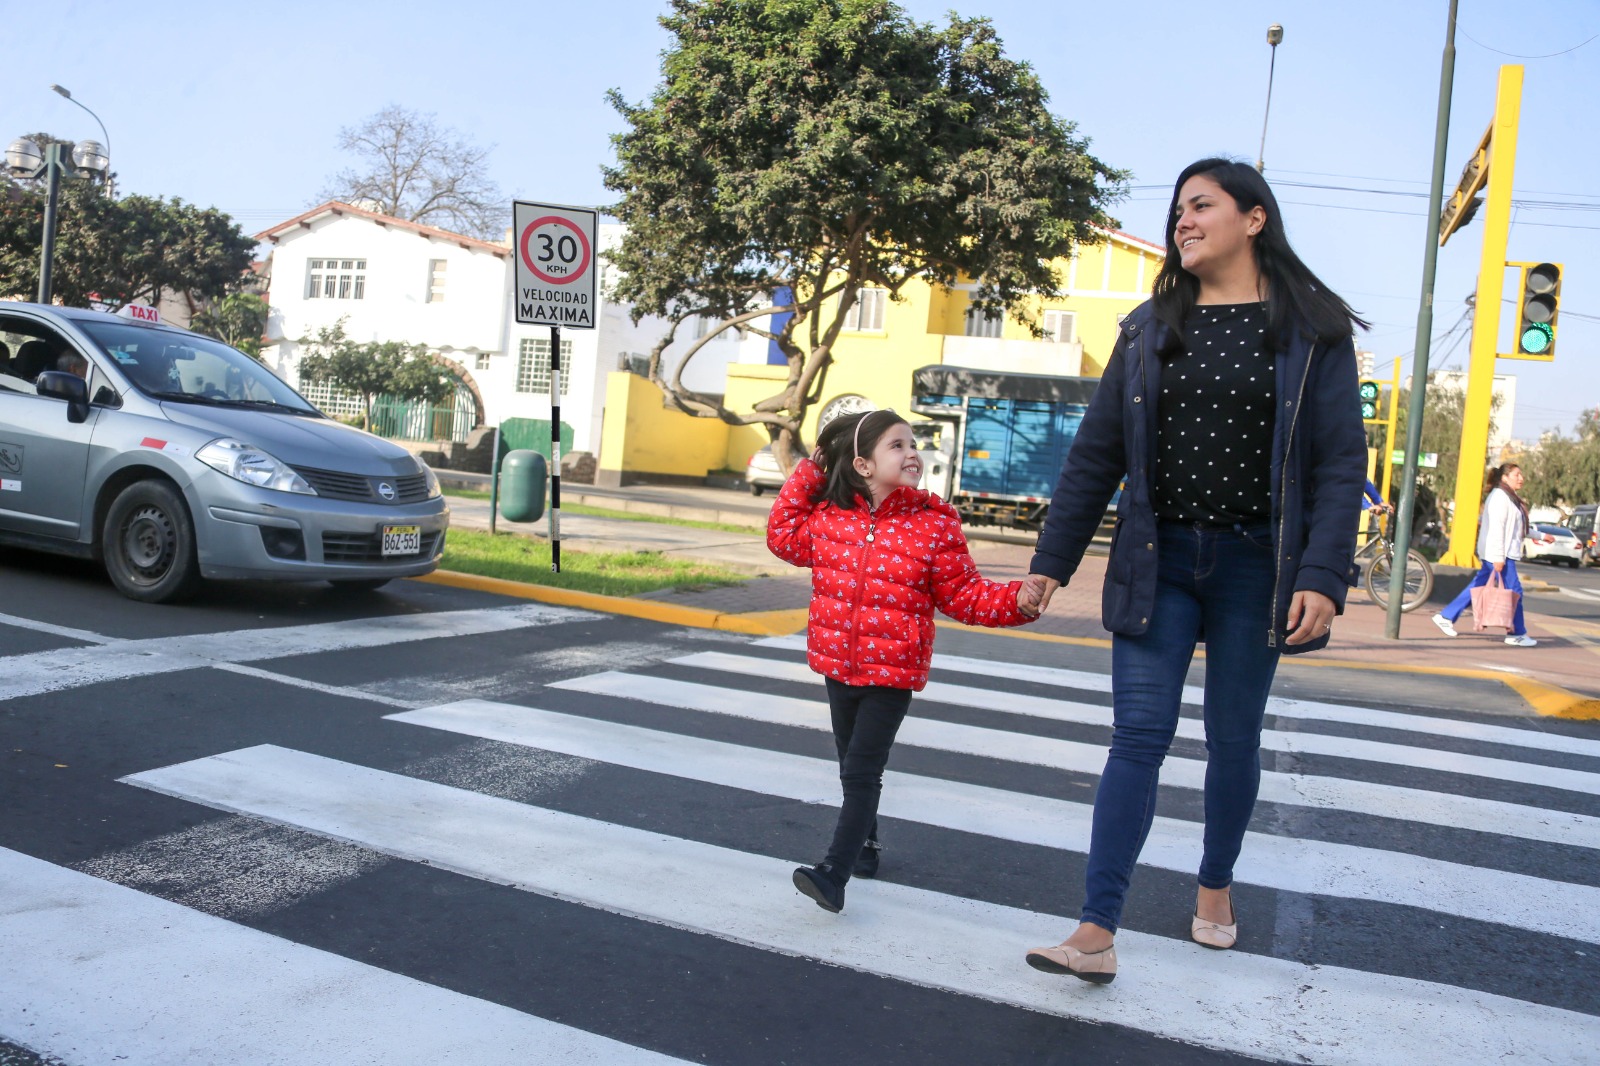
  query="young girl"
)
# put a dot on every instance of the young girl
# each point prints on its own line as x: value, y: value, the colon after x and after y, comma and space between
x: 883, y: 554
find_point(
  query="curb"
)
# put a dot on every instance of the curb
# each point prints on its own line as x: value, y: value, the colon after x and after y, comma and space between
x: 1549, y: 701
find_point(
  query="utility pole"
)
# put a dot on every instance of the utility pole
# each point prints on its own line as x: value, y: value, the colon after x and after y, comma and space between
x: 1502, y: 161
x: 1419, y: 371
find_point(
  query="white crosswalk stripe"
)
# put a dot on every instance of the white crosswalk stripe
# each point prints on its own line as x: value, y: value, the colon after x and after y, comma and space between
x: 956, y: 944
x: 79, y: 955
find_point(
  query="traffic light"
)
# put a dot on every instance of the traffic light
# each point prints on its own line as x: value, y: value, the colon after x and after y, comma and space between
x: 1462, y: 204
x: 1369, y: 401
x: 1536, y: 310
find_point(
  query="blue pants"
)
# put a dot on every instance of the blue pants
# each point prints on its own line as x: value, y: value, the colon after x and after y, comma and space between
x: 1215, y: 585
x: 1508, y: 578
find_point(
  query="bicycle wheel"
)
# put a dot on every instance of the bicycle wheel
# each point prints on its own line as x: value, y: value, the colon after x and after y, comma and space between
x: 1418, y: 580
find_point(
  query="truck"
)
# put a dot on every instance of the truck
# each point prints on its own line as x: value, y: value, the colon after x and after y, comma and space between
x: 1002, y: 439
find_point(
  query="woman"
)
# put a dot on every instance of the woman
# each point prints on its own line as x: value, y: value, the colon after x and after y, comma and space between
x: 1230, y: 404
x: 1500, y: 532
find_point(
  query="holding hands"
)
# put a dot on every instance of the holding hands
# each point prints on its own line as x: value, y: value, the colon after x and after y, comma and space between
x: 1034, y: 595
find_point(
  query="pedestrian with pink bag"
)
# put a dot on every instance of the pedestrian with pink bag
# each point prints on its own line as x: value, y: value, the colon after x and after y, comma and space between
x: 1500, y: 531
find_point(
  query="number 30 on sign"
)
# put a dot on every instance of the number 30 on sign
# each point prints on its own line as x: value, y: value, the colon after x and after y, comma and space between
x: 555, y: 265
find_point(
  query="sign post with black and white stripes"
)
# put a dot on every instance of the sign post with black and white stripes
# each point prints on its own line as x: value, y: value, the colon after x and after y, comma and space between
x: 555, y: 279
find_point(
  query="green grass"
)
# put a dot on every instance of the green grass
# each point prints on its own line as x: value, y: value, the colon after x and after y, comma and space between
x: 607, y: 512
x: 518, y: 558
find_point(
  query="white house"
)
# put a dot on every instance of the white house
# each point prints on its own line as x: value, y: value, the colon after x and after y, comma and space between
x: 393, y: 280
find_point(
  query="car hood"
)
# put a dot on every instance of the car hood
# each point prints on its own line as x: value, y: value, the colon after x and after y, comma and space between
x: 320, y: 443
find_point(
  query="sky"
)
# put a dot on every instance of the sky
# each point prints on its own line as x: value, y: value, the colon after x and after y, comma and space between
x: 240, y: 107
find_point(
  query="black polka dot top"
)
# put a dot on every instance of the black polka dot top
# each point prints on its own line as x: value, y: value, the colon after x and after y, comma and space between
x: 1215, y: 420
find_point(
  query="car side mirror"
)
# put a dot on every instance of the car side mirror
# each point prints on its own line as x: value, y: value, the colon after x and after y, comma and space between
x: 68, y: 387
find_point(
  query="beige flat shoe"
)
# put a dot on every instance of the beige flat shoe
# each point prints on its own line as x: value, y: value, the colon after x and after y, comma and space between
x: 1213, y: 934
x: 1100, y: 967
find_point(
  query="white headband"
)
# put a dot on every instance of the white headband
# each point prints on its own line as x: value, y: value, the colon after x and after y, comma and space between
x: 856, y: 444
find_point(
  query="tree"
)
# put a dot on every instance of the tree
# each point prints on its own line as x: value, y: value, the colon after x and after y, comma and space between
x: 130, y: 250
x: 412, y: 168
x: 1566, y: 470
x: 1441, y: 435
x: 373, y: 368
x: 797, y: 150
x: 237, y: 319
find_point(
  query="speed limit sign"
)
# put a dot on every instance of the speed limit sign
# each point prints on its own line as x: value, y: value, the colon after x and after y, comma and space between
x: 555, y: 256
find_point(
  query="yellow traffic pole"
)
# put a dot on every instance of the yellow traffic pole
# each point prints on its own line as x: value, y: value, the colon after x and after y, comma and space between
x: 1486, y: 320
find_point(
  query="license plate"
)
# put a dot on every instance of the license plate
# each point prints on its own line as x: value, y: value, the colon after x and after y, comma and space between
x: 402, y: 540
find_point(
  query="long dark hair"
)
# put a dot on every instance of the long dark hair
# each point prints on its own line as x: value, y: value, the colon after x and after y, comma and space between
x: 1496, y: 480
x: 1294, y: 294
x: 839, y: 443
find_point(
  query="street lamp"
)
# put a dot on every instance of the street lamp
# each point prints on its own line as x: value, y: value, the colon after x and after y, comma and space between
x: 111, y: 190
x: 25, y: 160
x: 1274, y: 38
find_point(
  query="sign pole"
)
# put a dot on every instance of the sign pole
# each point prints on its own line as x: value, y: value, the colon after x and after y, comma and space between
x: 494, y: 481
x: 555, y: 287
x: 555, y: 449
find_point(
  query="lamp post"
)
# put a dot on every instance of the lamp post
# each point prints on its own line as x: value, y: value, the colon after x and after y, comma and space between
x: 58, y: 160
x: 111, y: 188
x: 1274, y: 38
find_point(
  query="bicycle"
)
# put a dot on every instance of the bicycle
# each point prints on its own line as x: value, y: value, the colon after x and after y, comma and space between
x: 1379, y: 553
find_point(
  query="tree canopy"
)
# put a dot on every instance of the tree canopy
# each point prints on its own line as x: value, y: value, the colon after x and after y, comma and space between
x: 410, y: 167
x: 797, y: 150
x: 1566, y: 470
x: 130, y: 250
x: 238, y: 319
x: 373, y: 368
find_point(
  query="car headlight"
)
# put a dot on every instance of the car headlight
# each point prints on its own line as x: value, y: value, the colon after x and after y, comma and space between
x: 429, y: 477
x: 251, y: 465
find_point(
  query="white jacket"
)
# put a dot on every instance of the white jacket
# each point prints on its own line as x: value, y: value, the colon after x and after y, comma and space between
x: 1501, y: 529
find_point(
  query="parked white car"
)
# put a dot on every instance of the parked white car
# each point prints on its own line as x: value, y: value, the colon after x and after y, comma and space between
x: 1552, y: 544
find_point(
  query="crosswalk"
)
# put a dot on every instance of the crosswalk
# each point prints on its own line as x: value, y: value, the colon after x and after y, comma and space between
x: 1416, y: 888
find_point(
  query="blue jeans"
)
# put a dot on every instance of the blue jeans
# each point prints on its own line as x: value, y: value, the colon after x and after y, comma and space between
x: 1213, y: 584
x: 1511, y: 581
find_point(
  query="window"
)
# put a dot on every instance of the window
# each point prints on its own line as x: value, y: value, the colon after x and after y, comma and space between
x: 436, y: 269
x: 480, y: 361
x: 866, y: 316
x: 533, y: 365
x: 336, y: 279
x: 982, y: 323
x: 703, y: 325
x: 1060, y: 327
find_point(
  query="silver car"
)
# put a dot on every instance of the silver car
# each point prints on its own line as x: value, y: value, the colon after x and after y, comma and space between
x: 172, y: 457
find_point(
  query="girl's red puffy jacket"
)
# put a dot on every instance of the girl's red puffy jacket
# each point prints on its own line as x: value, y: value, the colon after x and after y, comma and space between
x: 876, y: 578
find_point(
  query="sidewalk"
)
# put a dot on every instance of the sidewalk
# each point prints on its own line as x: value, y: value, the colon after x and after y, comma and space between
x: 1559, y: 677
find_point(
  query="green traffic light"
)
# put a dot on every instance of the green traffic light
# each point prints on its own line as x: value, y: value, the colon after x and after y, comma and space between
x: 1536, y: 338
x: 1369, y: 390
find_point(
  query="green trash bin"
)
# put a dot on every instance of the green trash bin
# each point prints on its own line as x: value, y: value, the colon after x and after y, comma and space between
x: 522, y: 480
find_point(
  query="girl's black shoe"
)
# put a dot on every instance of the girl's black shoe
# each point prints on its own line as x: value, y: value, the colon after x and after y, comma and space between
x: 867, y: 861
x: 819, y: 883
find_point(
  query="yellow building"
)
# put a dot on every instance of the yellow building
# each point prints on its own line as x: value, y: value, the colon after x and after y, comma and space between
x: 884, y: 341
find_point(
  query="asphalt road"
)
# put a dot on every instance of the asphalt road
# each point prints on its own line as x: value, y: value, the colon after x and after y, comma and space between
x: 282, y: 824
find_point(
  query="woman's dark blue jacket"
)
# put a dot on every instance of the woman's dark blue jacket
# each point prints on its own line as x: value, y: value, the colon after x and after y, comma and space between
x: 1319, y: 465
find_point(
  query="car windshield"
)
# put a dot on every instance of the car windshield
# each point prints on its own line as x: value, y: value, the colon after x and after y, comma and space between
x: 169, y: 365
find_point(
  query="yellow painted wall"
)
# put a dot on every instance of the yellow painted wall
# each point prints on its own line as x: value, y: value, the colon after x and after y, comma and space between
x: 642, y: 435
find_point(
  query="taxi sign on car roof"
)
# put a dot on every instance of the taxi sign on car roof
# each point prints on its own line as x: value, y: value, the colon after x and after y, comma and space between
x: 139, y: 313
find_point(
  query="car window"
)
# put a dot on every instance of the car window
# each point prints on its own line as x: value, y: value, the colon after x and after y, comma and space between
x: 28, y: 349
x: 182, y: 366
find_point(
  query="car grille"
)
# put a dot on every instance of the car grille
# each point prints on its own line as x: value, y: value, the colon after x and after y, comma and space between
x: 368, y: 548
x: 358, y: 488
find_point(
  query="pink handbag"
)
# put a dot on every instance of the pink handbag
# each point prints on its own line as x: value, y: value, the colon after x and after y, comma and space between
x: 1493, y: 604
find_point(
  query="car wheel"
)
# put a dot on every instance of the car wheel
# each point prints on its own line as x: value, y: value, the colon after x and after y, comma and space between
x: 148, y: 544
x: 1573, y: 563
x: 365, y: 584
x: 755, y: 490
